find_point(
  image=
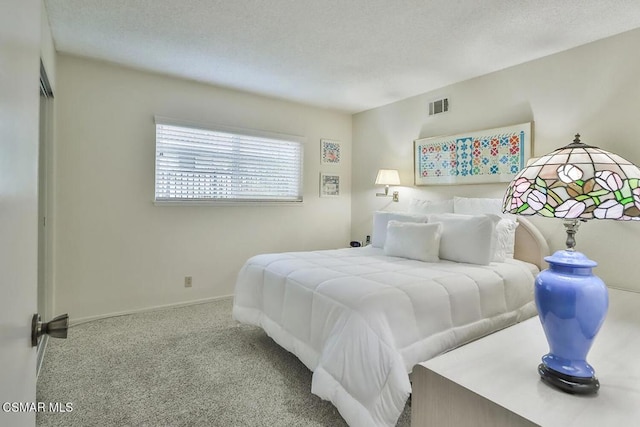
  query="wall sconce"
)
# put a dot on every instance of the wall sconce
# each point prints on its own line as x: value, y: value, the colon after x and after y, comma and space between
x: 388, y: 177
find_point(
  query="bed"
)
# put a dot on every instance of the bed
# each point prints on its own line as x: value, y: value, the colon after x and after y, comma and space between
x: 360, y: 319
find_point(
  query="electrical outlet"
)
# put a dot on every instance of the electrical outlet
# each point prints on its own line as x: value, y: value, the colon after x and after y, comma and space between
x: 188, y: 280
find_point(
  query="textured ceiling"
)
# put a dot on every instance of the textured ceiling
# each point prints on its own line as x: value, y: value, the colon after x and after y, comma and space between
x: 350, y: 55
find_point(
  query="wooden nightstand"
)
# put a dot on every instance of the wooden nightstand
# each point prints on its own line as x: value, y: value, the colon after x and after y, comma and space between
x: 494, y: 382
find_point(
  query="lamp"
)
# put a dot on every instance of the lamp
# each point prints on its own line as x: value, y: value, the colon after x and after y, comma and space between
x: 388, y: 177
x: 577, y: 183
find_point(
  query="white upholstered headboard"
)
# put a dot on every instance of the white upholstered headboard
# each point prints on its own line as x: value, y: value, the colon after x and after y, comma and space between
x: 531, y: 245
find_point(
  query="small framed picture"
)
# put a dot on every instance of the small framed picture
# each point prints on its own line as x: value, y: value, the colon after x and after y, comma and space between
x: 329, y: 152
x: 329, y: 185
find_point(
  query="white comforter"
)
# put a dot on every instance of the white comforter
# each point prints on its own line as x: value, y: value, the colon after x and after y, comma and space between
x: 361, y: 320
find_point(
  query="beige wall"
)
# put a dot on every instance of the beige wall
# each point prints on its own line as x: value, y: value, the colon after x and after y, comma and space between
x: 114, y: 249
x: 593, y: 89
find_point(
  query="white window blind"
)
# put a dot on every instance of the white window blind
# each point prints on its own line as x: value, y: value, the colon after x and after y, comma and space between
x: 194, y: 164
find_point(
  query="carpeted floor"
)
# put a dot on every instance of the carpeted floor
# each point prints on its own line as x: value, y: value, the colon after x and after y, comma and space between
x: 187, y: 366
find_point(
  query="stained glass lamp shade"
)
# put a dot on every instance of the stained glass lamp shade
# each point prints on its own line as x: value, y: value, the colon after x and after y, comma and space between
x: 577, y: 183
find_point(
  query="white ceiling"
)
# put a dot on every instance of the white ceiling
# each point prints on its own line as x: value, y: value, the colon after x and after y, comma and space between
x: 350, y: 55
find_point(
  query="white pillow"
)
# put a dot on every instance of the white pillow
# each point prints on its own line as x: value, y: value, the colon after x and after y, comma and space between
x: 380, y: 220
x: 466, y: 238
x: 505, y: 240
x: 430, y: 206
x: 413, y: 240
x: 477, y: 206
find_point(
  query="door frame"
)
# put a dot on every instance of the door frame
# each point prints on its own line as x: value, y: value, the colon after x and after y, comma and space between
x: 45, y: 167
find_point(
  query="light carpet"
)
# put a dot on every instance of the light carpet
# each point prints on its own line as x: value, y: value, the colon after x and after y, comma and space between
x: 186, y: 366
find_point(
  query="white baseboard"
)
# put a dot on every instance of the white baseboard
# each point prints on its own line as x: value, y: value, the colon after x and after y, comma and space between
x: 80, y: 320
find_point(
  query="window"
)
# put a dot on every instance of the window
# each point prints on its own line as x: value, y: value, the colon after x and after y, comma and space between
x: 196, y: 164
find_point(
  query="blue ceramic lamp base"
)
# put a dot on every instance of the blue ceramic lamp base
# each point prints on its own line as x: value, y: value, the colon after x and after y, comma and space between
x: 572, y: 304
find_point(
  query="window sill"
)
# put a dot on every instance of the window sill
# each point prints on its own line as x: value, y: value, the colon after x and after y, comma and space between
x: 224, y: 204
